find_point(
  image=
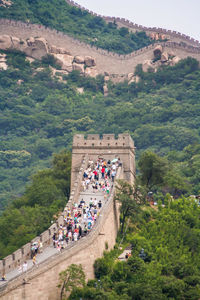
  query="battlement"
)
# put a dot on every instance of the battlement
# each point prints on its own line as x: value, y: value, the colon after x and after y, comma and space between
x: 106, y: 141
x: 107, y: 146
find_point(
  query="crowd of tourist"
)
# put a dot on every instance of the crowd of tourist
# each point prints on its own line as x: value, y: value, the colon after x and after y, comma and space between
x: 78, y: 221
x: 98, y: 179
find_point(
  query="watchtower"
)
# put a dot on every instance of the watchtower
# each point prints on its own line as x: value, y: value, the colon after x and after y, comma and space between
x: 107, y: 147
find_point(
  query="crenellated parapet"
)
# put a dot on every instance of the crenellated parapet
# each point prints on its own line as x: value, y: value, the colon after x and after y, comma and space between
x: 106, y: 146
x: 104, y: 141
x: 126, y: 23
x: 85, y: 251
x: 71, y: 54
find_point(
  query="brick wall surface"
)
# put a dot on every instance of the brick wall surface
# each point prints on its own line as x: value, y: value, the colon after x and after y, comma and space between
x: 105, y: 61
x: 43, y: 280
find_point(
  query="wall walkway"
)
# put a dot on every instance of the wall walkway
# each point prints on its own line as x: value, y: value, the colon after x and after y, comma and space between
x: 42, y: 281
x: 106, y: 62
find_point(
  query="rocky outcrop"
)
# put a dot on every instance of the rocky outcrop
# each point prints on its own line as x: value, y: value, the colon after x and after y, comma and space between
x: 89, y: 61
x: 105, y: 90
x: 64, y: 61
x: 38, y: 47
x: 174, y: 60
x: 160, y: 58
x: 92, y: 72
x: 58, y: 50
x: 78, y: 67
x: 148, y: 66
x: 79, y: 59
x: 5, y: 42
x: 164, y: 57
x: 5, y: 3
x: 3, y: 65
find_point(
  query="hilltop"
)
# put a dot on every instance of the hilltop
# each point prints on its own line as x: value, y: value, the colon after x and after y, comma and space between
x: 80, y: 24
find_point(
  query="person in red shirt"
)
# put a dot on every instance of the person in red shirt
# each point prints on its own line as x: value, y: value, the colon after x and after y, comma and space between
x: 103, y: 171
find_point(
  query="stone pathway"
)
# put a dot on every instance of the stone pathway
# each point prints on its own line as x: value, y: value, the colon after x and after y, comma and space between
x: 50, y: 251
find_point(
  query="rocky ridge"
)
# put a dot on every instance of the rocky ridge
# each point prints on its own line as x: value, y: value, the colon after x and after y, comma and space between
x: 38, y: 47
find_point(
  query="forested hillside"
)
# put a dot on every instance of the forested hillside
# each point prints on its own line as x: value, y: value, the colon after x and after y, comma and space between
x: 164, y: 263
x: 43, y: 200
x: 40, y: 114
x: 58, y: 14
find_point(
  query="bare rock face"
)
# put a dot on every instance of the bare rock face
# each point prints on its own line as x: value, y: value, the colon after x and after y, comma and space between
x: 15, y: 42
x: 64, y: 61
x: 5, y: 42
x: 89, y: 61
x: 80, y: 90
x: 31, y: 41
x: 53, y: 49
x: 30, y: 59
x: 105, y: 90
x: 135, y: 79
x: 130, y: 76
x: 175, y: 60
x: 92, y: 72
x: 158, y: 51
x: 56, y: 50
x: 164, y: 57
x: 147, y: 66
x: 5, y: 3
x: 106, y: 78
x: 3, y: 65
x: 79, y: 59
x: 63, y: 51
x: 20, y: 81
x: 78, y: 67
x: 36, y: 47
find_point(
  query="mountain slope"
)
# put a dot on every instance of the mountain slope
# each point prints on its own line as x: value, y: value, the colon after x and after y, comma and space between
x: 39, y: 113
x: 80, y: 24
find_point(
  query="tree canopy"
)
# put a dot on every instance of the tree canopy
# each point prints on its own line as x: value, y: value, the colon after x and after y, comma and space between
x: 59, y: 15
x: 164, y: 262
x: 40, y: 116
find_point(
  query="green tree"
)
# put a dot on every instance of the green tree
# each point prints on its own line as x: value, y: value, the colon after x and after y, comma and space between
x: 152, y: 169
x: 71, y: 278
x: 130, y: 198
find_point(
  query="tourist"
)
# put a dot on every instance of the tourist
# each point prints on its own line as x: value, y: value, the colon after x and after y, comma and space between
x: 25, y: 266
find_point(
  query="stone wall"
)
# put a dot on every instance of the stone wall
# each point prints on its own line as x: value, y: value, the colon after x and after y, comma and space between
x: 106, y: 62
x: 174, y: 35
x: 42, y: 281
x: 107, y: 147
x: 10, y: 262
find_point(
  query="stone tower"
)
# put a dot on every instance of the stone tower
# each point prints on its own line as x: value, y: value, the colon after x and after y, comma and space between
x: 108, y: 147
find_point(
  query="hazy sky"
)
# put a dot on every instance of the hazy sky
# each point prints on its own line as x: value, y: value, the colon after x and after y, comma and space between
x: 178, y: 15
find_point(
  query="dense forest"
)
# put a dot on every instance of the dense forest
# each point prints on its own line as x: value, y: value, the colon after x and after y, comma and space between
x: 58, y: 14
x: 31, y: 214
x: 40, y: 114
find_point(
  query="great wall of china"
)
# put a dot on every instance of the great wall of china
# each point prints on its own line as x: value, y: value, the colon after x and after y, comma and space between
x: 135, y: 27
x: 106, y: 63
x: 42, y: 281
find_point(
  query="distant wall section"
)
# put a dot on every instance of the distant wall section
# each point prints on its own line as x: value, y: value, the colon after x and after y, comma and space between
x: 174, y: 35
x: 106, y: 62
